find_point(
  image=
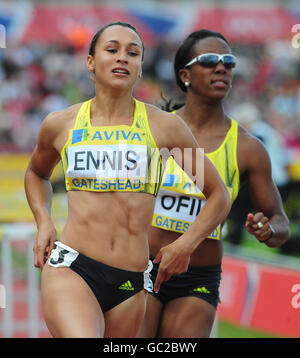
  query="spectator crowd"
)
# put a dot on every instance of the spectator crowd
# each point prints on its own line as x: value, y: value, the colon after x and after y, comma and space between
x: 38, y: 79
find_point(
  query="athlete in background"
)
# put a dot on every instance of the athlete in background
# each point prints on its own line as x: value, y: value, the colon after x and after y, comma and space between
x: 185, y: 306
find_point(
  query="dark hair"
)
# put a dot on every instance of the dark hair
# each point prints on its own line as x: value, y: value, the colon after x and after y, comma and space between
x: 168, y: 106
x: 119, y: 23
x: 185, y: 52
x: 183, y: 56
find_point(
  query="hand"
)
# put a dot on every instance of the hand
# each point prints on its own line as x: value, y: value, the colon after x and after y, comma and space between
x: 258, y: 225
x: 44, y: 243
x: 173, y: 259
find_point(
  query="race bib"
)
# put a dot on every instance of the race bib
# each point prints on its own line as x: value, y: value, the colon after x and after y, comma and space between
x: 107, y: 159
x: 176, y: 212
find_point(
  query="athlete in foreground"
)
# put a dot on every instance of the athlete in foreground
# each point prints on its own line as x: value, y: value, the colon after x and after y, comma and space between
x: 93, y: 281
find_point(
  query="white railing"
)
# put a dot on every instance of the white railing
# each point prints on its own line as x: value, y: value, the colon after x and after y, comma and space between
x: 15, y: 233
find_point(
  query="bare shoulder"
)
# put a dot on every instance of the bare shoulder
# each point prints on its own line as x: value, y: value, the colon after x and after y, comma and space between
x: 161, y: 117
x: 60, y: 119
x: 250, y: 144
x: 168, y: 129
x: 252, y: 154
x: 55, y: 127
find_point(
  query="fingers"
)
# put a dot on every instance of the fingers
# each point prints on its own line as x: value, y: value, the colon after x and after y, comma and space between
x: 250, y: 217
x: 158, y: 281
x: 254, y: 219
x: 169, y: 266
x: 162, y: 275
x: 35, y: 258
x: 39, y: 254
x: 258, y: 216
x: 49, y: 250
x: 258, y: 225
x: 157, y: 258
x: 254, y: 222
x: 44, y: 243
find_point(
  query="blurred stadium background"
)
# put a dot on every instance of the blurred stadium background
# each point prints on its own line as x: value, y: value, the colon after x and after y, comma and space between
x: 42, y: 69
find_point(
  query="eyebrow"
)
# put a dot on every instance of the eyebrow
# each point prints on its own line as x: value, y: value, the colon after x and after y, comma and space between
x: 130, y: 44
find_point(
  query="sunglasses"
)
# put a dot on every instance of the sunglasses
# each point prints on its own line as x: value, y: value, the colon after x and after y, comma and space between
x: 212, y: 59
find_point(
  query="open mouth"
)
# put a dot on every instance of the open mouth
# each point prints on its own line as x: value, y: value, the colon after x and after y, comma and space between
x: 219, y: 82
x: 120, y: 71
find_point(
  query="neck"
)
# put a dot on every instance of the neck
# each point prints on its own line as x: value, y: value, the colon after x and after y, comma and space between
x: 199, y: 112
x: 112, y: 105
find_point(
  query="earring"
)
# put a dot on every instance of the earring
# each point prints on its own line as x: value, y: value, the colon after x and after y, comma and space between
x: 140, y: 75
x: 187, y: 84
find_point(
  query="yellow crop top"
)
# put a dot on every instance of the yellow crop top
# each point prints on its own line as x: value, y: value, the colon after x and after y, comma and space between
x: 111, y: 158
x: 179, y: 200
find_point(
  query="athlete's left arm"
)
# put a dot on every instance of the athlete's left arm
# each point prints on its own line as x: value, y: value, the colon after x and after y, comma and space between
x: 265, y: 196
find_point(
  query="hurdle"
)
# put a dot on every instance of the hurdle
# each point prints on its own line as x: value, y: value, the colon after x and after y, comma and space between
x: 12, y: 233
x: 215, y: 328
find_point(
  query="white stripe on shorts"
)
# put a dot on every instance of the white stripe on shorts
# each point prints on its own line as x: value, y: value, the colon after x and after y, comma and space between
x: 62, y: 255
x: 148, y: 284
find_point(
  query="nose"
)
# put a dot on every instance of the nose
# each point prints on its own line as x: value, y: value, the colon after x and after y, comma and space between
x: 220, y: 68
x: 122, y: 58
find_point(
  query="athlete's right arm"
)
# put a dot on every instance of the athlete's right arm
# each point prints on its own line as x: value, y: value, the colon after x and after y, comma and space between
x: 39, y: 190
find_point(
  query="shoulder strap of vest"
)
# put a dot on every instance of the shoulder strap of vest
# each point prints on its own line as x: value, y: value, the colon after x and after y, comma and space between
x: 141, y: 119
x: 83, y: 116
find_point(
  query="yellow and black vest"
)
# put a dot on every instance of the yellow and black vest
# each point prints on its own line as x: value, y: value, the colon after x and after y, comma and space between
x: 179, y: 200
x: 111, y: 158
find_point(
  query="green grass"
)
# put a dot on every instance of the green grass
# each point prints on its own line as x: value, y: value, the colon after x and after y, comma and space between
x: 227, y: 330
x: 251, y: 249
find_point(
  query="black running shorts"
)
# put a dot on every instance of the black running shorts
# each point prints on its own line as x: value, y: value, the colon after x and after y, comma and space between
x: 110, y: 285
x: 202, y: 282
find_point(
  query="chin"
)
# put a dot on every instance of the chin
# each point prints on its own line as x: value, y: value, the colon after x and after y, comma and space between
x: 219, y: 93
x: 120, y: 86
x: 122, y: 83
x: 217, y: 97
